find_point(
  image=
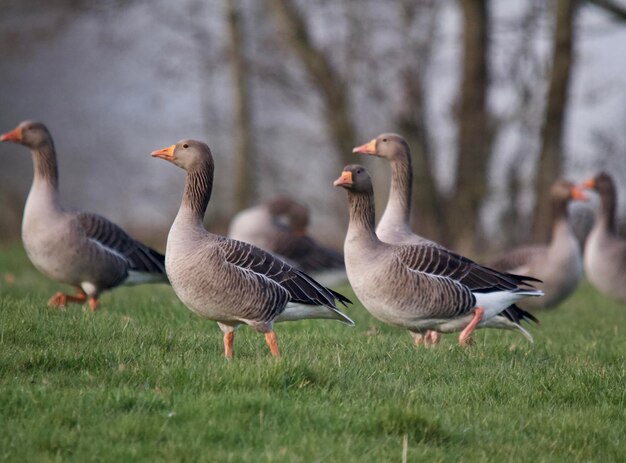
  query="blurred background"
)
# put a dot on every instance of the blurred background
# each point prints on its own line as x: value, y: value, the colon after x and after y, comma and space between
x: 497, y: 99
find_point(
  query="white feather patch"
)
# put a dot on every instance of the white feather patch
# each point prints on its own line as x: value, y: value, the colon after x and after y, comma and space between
x: 89, y: 288
x: 495, y: 302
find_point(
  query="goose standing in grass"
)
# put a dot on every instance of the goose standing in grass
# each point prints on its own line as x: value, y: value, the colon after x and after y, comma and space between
x: 279, y: 226
x: 605, y: 250
x: 229, y: 281
x: 559, y: 263
x: 394, y: 226
x: 79, y: 248
x: 419, y: 287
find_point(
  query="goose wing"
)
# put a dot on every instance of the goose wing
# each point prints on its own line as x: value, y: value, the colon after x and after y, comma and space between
x: 302, y: 288
x: 438, y: 261
x: 114, y: 239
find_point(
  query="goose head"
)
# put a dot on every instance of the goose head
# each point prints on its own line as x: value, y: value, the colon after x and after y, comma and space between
x: 563, y: 191
x: 32, y: 134
x: 297, y: 214
x: 355, y: 178
x: 390, y: 146
x: 602, y: 183
x: 187, y: 154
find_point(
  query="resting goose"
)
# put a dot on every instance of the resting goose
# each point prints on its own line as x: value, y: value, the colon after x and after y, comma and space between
x: 605, y: 251
x: 559, y: 263
x: 229, y: 281
x: 280, y: 226
x: 419, y: 287
x: 79, y: 248
x: 394, y: 226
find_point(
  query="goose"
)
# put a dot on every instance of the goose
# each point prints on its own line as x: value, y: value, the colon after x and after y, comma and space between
x: 418, y: 286
x: 394, y: 226
x: 78, y: 248
x: 559, y: 263
x: 229, y: 281
x: 279, y: 225
x: 605, y: 250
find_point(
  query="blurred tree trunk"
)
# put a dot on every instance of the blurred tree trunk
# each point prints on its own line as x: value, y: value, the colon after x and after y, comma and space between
x: 427, y: 211
x: 474, y: 136
x: 322, y: 75
x: 410, y: 119
x: 243, y: 156
x: 549, y: 165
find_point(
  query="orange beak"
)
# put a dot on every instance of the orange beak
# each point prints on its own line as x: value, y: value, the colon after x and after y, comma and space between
x: 14, y: 135
x: 589, y: 184
x: 578, y: 194
x: 165, y: 153
x: 368, y: 148
x: 344, y: 180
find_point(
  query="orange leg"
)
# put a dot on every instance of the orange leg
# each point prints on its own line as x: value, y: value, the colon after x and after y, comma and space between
x: 432, y: 338
x: 93, y: 303
x: 465, y: 338
x: 418, y: 339
x: 270, y: 338
x: 229, y: 337
x: 60, y: 300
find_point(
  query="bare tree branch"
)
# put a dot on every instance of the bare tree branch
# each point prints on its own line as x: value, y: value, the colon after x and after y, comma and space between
x: 322, y: 75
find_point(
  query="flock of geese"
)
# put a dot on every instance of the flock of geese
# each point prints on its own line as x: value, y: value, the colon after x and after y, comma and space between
x: 261, y: 274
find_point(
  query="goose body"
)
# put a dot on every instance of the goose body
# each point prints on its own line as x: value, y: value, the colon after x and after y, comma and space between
x: 229, y: 281
x: 76, y: 247
x: 419, y: 287
x: 605, y: 251
x: 557, y: 264
x: 394, y: 225
x: 279, y: 226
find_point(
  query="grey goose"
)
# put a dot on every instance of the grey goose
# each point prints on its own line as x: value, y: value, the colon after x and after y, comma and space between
x: 394, y: 226
x: 279, y: 225
x: 229, y: 281
x: 419, y: 287
x: 75, y: 247
x: 605, y: 250
x: 557, y: 264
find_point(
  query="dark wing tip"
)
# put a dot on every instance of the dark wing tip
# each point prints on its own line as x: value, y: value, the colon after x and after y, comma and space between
x: 517, y: 314
x: 341, y: 298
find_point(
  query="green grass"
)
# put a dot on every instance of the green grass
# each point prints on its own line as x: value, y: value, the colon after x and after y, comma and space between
x: 143, y: 379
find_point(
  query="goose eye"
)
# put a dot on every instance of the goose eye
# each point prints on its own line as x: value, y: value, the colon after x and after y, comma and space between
x: 185, y: 146
x: 384, y: 139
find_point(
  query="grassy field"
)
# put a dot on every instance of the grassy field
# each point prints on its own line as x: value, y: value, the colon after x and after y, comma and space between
x: 143, y: 379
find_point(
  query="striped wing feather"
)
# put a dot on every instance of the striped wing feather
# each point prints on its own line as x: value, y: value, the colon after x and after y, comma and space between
x: 302, y: 288
x: 440, y: 262
x: 140, y: 257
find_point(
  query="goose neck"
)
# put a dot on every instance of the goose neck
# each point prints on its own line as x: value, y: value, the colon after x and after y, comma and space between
x: 45, y: 165
x: 606, y: 215
x: 198, y: 187
x: 362, y: 216
x: 399, y: 203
